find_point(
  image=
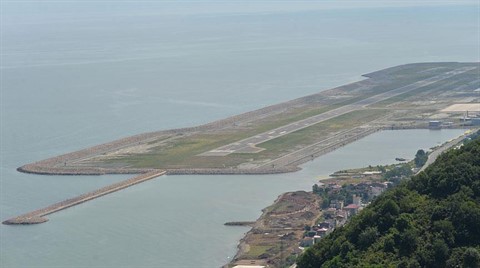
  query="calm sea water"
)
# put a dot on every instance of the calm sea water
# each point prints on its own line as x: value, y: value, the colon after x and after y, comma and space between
x: 74, y: 75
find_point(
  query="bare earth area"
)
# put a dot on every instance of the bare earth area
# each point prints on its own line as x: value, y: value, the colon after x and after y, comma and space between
x: 280, y: 137
x: 275, y: 235
x: 462, y: 107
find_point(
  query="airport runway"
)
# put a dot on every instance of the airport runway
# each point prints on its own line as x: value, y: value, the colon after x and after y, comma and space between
x: 326, y: 145
x: 248, y: 145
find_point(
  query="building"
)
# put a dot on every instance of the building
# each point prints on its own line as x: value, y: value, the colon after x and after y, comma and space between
x: 338, y: 204
x: 311, y: 233
x: 329, y: 213
x: 307, y: 242
x: 324, y: 224
x: 316, y: 239
x: 357, y: 200
x: 435, y: 124
x: 352, y: 209
x: 341, y: 218
x: 321, y: 232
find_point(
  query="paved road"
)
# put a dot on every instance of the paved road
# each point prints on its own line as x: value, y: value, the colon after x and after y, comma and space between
x: 248, y: 145
x: 435, y: 154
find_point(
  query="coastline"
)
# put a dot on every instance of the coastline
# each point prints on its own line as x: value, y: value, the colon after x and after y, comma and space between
x: 272, y: 239
x: 243, y: 245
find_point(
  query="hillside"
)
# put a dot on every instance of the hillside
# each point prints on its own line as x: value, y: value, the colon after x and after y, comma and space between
x: 433, y: 220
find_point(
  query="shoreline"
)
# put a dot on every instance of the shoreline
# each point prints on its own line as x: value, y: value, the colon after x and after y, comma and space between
x: 260, y: 245
x: 243, y: 247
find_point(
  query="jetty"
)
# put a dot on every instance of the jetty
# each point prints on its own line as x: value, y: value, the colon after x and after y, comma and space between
x: 38, y: 216
x: 239, y: 223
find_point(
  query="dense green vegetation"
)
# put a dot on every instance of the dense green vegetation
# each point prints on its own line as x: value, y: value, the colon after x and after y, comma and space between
x: 420, y: 158
x: 432, y: 220
x: 398, y: 171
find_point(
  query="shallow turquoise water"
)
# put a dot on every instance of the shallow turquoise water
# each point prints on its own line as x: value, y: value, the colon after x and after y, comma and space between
x: 75, y: 75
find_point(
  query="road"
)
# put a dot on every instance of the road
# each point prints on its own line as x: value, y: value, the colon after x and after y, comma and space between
x: 434, y: 155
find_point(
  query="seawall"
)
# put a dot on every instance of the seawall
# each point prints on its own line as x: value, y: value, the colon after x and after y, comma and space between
x: 38, y: 216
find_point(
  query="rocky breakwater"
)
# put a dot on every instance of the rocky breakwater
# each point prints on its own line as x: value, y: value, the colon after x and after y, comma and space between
x: 38, y: 216
x: 232, y: 171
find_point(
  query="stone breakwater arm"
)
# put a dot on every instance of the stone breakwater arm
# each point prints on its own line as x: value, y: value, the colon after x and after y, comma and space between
x: 37, y: 216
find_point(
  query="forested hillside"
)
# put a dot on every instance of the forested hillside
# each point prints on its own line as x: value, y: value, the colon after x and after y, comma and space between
x: 433, y: 220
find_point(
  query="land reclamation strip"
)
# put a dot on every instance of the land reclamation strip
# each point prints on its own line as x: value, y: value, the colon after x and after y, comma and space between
x: 278, y: 138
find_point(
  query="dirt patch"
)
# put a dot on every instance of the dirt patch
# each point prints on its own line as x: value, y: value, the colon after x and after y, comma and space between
x: 462, y: 107
x: 275, y: 236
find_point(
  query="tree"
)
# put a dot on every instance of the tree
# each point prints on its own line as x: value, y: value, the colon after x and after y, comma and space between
x: 420, y: 158
x: 441, y: 253
x: 432, y: 220
x: 367, y: 237
x: 471, y: 258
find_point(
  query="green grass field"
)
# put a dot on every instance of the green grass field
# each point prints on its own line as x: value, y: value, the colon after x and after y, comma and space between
x: 184, y: 152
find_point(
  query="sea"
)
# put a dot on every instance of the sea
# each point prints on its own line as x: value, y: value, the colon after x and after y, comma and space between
x: 80, y: 73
